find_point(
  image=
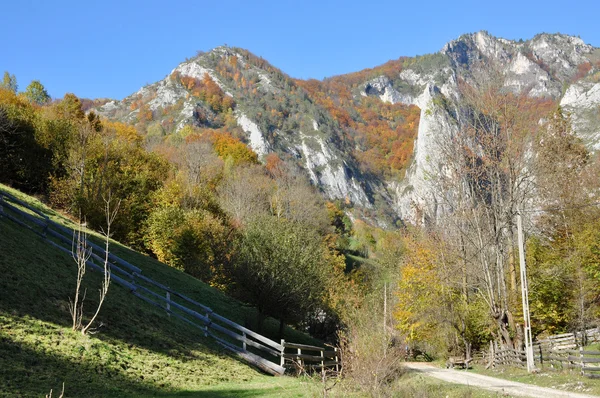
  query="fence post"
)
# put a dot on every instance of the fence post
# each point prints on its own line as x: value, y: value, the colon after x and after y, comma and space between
x: 133, y: 274
x: 244, y: 341
x: 207, y: 323
x: 337, y: 361
x: 581, y: 359
x: 300, y: 359
x: 282, y: 359
x: 323, y: 361
x: 168, y: 305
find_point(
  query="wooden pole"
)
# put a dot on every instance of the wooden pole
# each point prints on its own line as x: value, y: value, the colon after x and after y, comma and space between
x: 384, y: 308
x: 322, y: 363
x: 525, y: 296
x: 168, y: 305
x: 337, y: 361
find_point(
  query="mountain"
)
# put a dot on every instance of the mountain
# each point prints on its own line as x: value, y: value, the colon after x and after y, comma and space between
x: 366, y: 138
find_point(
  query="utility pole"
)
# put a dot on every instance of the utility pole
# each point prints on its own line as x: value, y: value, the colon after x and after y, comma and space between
x: 525, y: 296
x: 384, y: 318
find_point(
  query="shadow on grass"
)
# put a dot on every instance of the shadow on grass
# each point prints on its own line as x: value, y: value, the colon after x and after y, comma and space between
x: 38, y: 280
x: 231, y: 392
x: 25, y: 371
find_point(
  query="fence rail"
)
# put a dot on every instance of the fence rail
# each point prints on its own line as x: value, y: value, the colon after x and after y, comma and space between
x: 569, y: 341
x: 313, y: 357
x: 562, y: 351
x: 264, y: 353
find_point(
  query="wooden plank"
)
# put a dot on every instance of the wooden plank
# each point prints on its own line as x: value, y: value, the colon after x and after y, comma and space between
x: 21, y: 223
x: 558, y: 359
x: 590, y: 352
x: 262, y: 347
x: 177, y: 305
x: 304, y: 347
x: 111, y: 257
x: 324, y: 364
x: 316, y: 358
x: 89, y: 263
x: 23, y: 204
x: 35, y: 220
x: 146, y: 299
x: 591, y: 368
x: 249, y: 332
x: 591, y: 376
x: 112, y: 266
x: 243, y: 339
x: 587, y: 360
x: 168, y: 289
x: 261, y: 363
x: 69, y: 242
x: 558, y: 336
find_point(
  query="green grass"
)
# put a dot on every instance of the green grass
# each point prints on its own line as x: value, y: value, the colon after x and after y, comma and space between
x: 137, y: 351
x: 414, y: 384
x: 567, y: 380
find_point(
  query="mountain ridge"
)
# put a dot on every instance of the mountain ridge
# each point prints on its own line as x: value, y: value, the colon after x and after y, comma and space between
x: 362, y: 137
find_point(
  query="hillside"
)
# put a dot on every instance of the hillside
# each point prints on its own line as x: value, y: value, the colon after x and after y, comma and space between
x: 137, y: 350
x: 365, y: 138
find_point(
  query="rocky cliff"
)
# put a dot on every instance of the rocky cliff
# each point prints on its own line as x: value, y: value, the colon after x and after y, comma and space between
x: 333, y: 129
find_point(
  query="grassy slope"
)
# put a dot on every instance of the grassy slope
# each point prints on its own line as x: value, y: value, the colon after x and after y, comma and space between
x: 560, y: 379
x: 137, y: 351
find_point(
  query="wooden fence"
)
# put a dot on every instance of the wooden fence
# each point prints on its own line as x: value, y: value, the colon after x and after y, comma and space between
x: 313, y: 357
x: 262, y: 352
x: 586, y: 361
x: 569, y: 341
x: 562, y: 351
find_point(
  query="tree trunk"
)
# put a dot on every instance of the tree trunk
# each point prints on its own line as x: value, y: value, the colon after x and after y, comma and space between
x: 281, y: 328
x: 260, y: 320
x: 503, y: 328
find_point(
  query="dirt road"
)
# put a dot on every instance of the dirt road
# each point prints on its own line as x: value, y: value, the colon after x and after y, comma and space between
x: 505, y: 387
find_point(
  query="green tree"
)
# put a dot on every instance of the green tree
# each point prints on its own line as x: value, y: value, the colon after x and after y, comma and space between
x: 36, y: 93
x: 282, y: 268
x: 9, y: 82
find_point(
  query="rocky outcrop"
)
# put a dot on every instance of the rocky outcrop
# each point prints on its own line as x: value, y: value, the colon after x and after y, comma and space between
x: 330, y: 172
x: 416, y: 197
x: 582, y: 102
x: 545, y: 67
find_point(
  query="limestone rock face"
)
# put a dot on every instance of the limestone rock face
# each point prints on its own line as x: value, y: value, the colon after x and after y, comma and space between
x: 582, y: 102
x: 415, y: 198
x: 550, y: 66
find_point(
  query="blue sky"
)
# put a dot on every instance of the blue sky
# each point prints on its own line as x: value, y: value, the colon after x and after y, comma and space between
x: 112, y: 48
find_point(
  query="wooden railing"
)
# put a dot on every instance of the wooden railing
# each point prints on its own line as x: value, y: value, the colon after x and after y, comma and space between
x: 586, y: 361
x: 561, y: 351
x: 307, y: 357
x: 569, y: 341
x: 262, y: 352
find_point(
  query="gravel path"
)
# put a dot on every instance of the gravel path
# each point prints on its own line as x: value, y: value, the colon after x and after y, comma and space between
x: 502, y: 386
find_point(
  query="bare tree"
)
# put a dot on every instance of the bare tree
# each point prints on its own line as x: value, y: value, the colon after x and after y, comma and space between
x: 245, y: 193
x: 486, y: 176
x: 81, y: 253
x: 62, y: 393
